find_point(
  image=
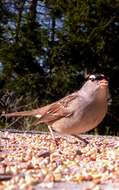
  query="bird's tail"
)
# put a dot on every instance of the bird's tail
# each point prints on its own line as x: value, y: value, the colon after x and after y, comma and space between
x: 21, y: 113
x: 39, y: 112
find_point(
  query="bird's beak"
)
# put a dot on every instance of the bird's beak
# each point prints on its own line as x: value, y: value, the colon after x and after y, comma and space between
x: 103, y: 83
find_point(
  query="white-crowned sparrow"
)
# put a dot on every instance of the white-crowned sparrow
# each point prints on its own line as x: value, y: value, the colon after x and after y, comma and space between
x: 76, y: 113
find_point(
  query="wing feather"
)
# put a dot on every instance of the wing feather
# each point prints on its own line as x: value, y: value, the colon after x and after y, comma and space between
x: 49, y: 113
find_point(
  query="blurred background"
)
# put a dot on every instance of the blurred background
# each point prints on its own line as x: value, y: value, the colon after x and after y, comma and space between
x: 46, y: 49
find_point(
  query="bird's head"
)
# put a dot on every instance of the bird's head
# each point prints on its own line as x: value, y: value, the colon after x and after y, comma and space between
x: 96, y: 86
x: 99, y: 79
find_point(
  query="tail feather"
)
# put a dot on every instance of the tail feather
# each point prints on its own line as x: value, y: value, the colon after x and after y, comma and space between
x: 22, y: 113
x: 36, y: 112
x: 17, y: 114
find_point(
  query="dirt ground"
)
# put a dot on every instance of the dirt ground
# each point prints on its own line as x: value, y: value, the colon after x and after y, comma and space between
x: 34, y: 161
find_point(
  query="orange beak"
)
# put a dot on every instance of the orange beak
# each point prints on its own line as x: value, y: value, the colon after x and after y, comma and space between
x: 103, y: 83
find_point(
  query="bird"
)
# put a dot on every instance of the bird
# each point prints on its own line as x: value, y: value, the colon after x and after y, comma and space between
x: 76, y: 113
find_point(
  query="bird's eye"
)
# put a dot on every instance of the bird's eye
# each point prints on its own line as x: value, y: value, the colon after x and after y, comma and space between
x: 97, y: 77
x: 92, y: 77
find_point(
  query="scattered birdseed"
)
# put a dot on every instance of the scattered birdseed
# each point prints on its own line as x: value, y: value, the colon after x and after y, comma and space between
x: 36, y: 162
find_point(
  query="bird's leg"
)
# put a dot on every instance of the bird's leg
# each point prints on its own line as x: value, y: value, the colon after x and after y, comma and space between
x: 81, y: 139
x: 52, y: 134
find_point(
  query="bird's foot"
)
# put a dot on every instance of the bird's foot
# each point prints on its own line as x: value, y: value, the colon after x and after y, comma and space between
x: 54, y: 139
x: 81, y: 139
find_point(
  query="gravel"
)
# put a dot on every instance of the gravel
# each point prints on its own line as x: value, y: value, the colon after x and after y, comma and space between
x: 34, y: 161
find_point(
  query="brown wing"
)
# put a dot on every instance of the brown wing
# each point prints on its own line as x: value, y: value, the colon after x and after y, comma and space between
x: 50, y: 112
x: 67, y: 99
x: 57, y: 110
